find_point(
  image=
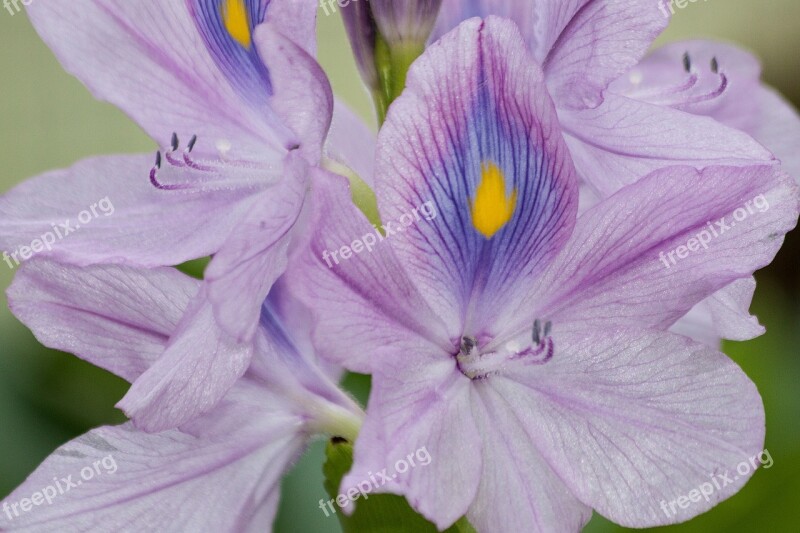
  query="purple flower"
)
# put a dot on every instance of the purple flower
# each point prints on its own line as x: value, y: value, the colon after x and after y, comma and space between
x: 696, y: 103
x: 523, y: 345
x: 622, y: 119
x: 219, y: 472
x: 720, y: 81
x: 241, y: 112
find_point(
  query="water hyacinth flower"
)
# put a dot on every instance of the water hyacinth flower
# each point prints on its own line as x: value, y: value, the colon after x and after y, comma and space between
x: 231, y: 92
x: 623, y: 116
x: 723, y: 82
x: 220, y: 472
x: 585, y: 48
x: 523, y: 345
x: 518, y: 335
x: 720, y: 81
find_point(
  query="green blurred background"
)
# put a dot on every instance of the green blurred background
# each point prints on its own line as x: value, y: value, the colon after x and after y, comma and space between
x: 48, y: 120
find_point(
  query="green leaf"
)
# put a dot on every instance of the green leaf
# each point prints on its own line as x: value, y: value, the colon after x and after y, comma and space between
x: 378, y: 513
x: 195, y: 267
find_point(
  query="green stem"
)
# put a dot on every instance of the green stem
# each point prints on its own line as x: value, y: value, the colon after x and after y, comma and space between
x: 392, y: 63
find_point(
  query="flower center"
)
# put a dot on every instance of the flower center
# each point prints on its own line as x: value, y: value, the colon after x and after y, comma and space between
x: 476, y: 365
x: 179, y: 170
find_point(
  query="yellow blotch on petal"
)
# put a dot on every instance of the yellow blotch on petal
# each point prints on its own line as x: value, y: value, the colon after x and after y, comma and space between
x: 234, y: 15
x: 492, y: 208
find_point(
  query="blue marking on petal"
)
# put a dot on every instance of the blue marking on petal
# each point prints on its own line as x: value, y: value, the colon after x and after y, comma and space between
x: 240, y: 62
x: 484, y: 114
x: 289, y: 363
x: 277, y: 333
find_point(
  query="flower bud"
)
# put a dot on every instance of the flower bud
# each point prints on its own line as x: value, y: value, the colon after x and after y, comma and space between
x: 386, y: 37
x: 405, y: 24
